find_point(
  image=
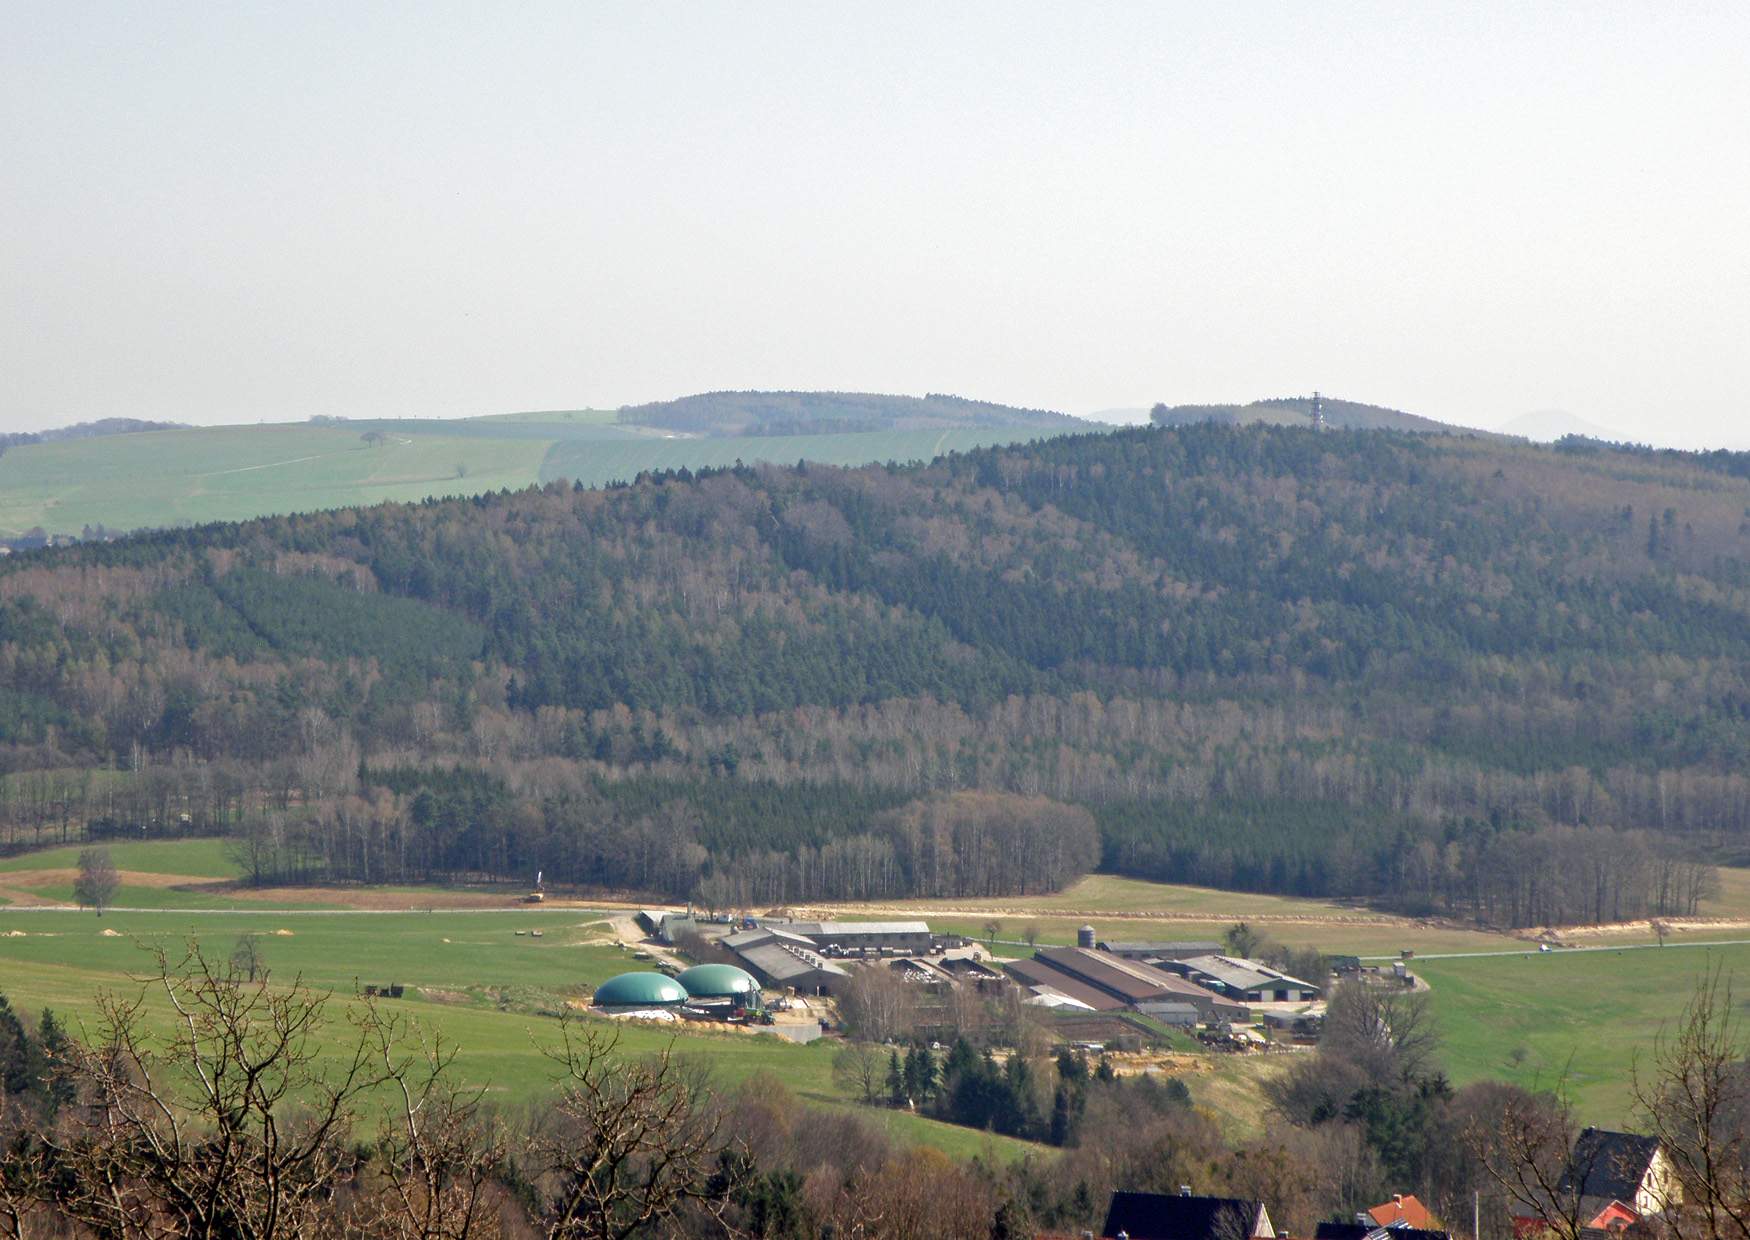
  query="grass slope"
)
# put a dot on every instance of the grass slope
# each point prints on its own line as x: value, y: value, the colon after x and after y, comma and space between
x: 481, y: 986
x: 1571, y: 1019
x: 596, y: 463
x: 203, y: 858
x: 234, y: 473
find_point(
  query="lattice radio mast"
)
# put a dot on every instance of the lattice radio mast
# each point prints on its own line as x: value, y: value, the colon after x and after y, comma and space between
x: 1318, y: 413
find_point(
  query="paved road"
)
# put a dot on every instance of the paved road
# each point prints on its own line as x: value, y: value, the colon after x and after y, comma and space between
x: 1568, y: 951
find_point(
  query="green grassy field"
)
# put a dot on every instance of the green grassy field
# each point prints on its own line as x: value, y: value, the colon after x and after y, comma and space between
x: 596, y: 462
x: 1111, y: 893
x: 1573, y: 1018
x: 1527, y: 1018
x: 203, y: 858
x: 232, y: 473
x: 168, y: 874
x: 472, y: 979
x: 161, y: 478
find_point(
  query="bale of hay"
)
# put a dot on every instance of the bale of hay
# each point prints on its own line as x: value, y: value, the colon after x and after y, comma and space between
x: 284, y: 934
x: 107, y: 933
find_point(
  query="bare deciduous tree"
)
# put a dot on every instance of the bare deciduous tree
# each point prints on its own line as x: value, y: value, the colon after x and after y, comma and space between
x: 437, y: 1154
x: 96, y: 885
x: 858, y: 1069
x: 1694, y: 1096
x: 246, y: 959
x: 878, y: 1006
x: 627, y: 1145
x: 1523, y: 1145
x: 226, y: 1125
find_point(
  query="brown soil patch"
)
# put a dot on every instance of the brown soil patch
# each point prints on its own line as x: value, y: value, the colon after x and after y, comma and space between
x: 1676, y: 925
x: 436, y: 995
x: 22, y: 886
x: 32, y: 879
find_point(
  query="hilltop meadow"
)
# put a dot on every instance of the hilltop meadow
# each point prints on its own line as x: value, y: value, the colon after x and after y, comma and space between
x: 179, y: 476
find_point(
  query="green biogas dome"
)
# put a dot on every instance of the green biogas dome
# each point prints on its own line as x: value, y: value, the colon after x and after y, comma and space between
x: 718, y: 981
x: 639, y: 990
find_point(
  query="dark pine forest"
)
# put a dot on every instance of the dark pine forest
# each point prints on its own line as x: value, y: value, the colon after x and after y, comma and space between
x: 1444, y: 673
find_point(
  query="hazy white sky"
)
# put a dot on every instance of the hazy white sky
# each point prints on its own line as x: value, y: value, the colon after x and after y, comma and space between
x: 235, y: 212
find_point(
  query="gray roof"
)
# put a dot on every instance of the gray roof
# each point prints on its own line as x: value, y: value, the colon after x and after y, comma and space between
x: 748, y: 938
x: 783, y: 964
x: 1243, y: 974
x: 779, y: 958
x: 1170, y: 950
x: 827, y: 929
x: 1609, y: 1164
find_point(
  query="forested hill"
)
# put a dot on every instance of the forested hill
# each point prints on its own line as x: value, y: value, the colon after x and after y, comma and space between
x: 1438, y: 670
x: 820, y: 413
x: 1297, y: 411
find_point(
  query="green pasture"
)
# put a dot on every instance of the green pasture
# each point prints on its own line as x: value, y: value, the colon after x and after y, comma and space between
x: 469, y: 953
x: 202, y: 858
x: 1112, y: 893
x: 1574, y: 1019
x: 471, y: 979
x: 204, y: 863
x: 566, y: 417
x: 598, y: 462
x: 233, y: 473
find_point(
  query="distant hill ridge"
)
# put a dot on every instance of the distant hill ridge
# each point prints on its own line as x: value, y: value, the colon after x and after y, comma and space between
x: 99, y: 476
x: 88, y: 430
x: 1297, y: 411
x: 812, y: 413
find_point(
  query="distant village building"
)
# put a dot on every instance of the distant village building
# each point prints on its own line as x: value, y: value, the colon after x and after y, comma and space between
x: 1376, y: 1231
x: 1104, y: 982
x: 1403, y: 1210
x: 1154, y: 952
x: 1246, y: 980
x: 1163, y: 1216
x: 1613, y: 1181
x: 784, y: 961
x: 858, y: 937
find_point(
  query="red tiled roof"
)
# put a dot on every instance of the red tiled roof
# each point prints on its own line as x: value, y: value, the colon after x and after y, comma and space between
x: 1405, y: 1210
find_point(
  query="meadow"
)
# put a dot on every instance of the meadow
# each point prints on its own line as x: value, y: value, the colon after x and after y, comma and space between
x: 1134, y: 909
x: 598, y: 462
x: 469, y: 977
x: 1574, y: 1020
x: 233, y: 473
x: 1569, y: 1017
x: 161, y: 478
x: 167, y: 874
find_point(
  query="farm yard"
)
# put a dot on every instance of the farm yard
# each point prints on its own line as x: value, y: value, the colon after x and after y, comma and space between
x: 1573, y: 1017
x: 476, y: 978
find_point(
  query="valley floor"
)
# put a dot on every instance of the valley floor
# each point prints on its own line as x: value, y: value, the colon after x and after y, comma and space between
x: 1568, y: 1018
